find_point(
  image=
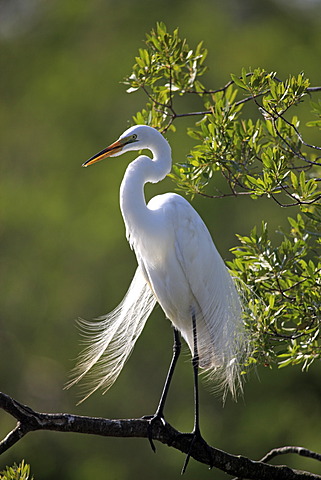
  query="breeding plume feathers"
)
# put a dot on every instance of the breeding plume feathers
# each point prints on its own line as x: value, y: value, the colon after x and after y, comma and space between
x: 179, y: 267
x: 230, y: 342
x: 111, y: 338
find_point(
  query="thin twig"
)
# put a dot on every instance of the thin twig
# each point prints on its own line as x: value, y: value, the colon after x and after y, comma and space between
x: 304, y: 452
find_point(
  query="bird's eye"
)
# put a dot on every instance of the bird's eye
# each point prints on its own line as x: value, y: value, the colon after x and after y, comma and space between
x: 134, y: 136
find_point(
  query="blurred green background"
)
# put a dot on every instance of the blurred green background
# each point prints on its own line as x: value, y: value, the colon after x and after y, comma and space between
x: 63, y: 249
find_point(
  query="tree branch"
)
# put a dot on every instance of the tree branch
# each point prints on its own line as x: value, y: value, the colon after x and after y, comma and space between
x: 28, y: 420
x: 286, y: 450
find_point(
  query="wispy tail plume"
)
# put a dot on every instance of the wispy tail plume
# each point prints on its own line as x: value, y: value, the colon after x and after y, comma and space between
x: 111, y: 338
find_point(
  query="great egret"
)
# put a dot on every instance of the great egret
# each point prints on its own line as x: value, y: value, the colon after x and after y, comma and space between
x: 179, y: 267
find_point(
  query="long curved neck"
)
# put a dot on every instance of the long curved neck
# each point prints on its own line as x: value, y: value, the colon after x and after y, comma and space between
x: 137, y: 216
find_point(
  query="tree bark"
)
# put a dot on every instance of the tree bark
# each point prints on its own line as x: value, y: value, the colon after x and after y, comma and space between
x: 29, y: 420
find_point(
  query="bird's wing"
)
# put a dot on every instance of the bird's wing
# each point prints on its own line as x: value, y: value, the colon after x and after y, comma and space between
x: 111, y: 338
x: 216, y: 304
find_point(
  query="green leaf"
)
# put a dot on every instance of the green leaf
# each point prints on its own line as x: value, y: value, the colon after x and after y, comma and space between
x: 238, y: 81
x: 16, y: 472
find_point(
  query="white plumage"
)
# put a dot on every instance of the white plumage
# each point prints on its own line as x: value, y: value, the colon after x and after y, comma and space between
x: 178, y: 266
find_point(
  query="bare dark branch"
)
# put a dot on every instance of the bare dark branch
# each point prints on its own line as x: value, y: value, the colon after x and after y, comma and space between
x: 29, y: 420
x: 304, y: 452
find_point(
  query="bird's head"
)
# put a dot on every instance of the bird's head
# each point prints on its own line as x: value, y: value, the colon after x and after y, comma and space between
x: 137, y: 137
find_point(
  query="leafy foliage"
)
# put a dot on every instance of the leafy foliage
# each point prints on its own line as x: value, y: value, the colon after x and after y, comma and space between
x: 166, y: 67
x: 262, y: 154
x: 16, y: 472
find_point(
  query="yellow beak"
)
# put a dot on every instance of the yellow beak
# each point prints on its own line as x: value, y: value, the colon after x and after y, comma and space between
x: 107, y: 152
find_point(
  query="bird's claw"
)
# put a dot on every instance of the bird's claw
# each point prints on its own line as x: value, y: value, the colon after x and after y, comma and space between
x: 152, y: 419
x: 194, y: 437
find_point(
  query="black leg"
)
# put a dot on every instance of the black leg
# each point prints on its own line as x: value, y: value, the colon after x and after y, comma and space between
x: 195, y: 363
x: 196, y: 433
x: 176, y: 352
x: 159, y: 414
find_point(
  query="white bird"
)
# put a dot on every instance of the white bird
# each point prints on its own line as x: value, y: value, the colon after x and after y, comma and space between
x: 179, y: 267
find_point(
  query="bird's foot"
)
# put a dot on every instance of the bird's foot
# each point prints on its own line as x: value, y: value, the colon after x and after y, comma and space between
x: 152, y: 419
x: 196, y: 437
